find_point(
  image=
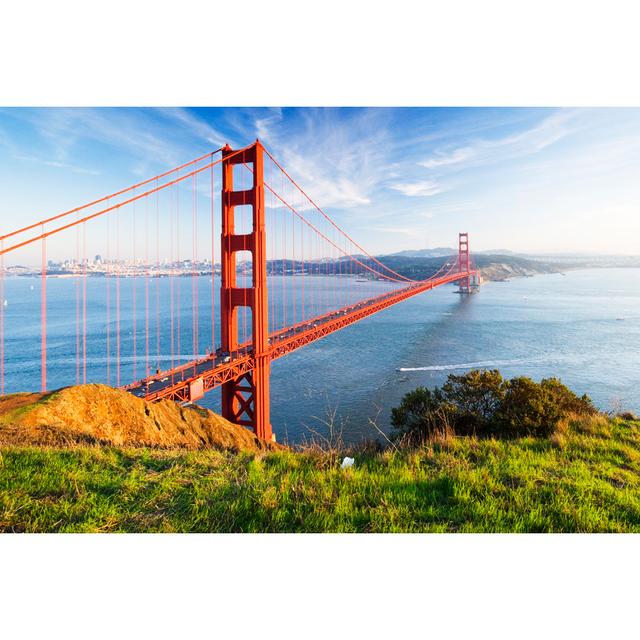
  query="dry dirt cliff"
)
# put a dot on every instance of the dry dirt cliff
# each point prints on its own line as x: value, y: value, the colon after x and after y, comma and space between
x: 98, y: 414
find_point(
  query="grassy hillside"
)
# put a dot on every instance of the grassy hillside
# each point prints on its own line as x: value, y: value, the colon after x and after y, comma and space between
x: 585, y: 477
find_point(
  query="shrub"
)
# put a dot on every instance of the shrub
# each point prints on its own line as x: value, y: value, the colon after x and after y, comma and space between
x: 422, y: 414
x: 476, y: 396
x: 484, y: 403
x: 566, y: 399
x: 528, y: 409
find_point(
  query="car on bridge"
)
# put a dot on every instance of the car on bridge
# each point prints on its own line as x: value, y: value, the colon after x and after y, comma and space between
x: 223, y: 356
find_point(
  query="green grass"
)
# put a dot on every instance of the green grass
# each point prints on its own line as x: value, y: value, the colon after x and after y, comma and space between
x: 585, y: 478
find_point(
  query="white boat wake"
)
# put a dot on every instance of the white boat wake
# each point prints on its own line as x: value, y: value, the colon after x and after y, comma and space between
x: 488, y: 364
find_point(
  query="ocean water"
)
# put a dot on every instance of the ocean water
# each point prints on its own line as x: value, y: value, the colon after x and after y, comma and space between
x: 583, y: 327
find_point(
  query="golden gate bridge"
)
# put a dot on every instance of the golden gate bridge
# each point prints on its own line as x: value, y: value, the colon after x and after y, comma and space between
x: 289, y: 275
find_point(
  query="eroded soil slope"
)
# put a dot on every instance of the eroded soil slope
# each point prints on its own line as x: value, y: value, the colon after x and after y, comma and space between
x: 98, y: 414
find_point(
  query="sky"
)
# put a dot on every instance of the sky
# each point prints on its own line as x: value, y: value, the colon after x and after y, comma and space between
x: 529, y: 180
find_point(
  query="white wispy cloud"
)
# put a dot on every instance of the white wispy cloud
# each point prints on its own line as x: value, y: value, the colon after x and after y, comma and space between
x: 550, y: 130
x: 129, y: 131
x: 164, y: 137
x: 419, y: 189
x: 198, y: 127
x: 443, y: 159
x: 265, y: 125
x: 57, y: 164
x: 612, y: 156
x: 340, y: 161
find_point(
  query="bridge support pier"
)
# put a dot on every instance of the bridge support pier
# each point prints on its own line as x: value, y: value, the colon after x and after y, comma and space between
x: 245, y: 400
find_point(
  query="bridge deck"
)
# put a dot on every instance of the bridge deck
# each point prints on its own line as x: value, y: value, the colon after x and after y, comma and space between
x: 175, y: 384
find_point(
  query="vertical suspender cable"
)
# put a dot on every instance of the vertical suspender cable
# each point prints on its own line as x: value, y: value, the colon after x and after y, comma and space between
x: 269, y: 231
x: 303, y: 313
x: 43, y: 316
x: 284, y: 258
x: 118, y: 298
x: 294, y: 270
x: 213, y: 275
x: 171, y: 285
x: 108, y: 288
x: 178, y: 307
x: 134, y: 293
x: 157, y: 280
x: 194, y: 294
x: 76, y: 286
x: 84, y: 303
x: 146, y: 287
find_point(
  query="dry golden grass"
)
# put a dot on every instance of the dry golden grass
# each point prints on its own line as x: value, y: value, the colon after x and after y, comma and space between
x: 100, y: 415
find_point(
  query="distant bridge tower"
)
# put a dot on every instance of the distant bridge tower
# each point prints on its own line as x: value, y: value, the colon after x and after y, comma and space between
x: 245, y: 400
x: 463, y: 262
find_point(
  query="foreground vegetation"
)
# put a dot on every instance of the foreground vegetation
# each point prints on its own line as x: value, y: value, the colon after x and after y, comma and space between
x: 584, y: 476
x: 483, y: 403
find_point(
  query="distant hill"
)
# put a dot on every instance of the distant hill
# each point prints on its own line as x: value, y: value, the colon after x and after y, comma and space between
x: 501, y: 252
x: 446, y: 251
x: 492, y: 266
x: 438, y: 252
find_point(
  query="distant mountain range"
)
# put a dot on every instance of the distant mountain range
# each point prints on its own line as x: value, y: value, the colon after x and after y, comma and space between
x: 494, y: 266
x: 442, y: 252
x: 423, y: 263
x: 500, y: 264
x: 438, y: 252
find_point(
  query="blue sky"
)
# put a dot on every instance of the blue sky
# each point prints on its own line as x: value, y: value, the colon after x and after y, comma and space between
x: 539, y: 180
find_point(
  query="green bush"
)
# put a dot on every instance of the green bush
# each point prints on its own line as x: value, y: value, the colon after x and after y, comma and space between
x: 528, y: 409
x: 475, y: 397
x: 568, y: 401
x: 483, y: 403
x: 421, y: 415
